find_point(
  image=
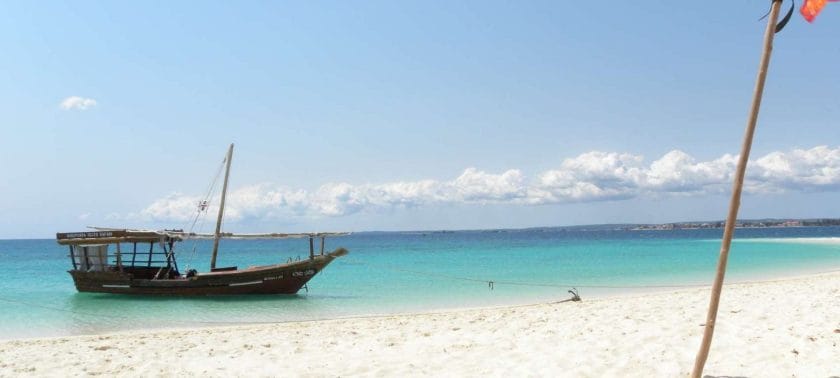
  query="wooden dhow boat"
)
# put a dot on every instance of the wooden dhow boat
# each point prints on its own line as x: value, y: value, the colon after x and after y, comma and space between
x: 124, y: 261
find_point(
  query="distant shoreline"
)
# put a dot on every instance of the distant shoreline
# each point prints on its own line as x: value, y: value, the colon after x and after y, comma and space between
x: 758, y: 223
x: 686, y: 225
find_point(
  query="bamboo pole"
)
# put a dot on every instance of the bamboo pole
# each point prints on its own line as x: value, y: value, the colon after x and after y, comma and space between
x: 737, y: 186
x: 217, y: 234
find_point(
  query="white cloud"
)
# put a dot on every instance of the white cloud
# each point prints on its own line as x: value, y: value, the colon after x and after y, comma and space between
x: 678, y: 172
x: 78, y: 103
x: 803, y: 170
x: 175, y: 207
x: 478, y: 186
x: 592, y: 176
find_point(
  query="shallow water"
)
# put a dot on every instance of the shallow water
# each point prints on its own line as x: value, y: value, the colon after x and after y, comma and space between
x: 407, y: 272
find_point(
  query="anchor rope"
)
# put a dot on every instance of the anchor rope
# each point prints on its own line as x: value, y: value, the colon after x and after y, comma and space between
x: 246, y: 322
x: 491, y: 283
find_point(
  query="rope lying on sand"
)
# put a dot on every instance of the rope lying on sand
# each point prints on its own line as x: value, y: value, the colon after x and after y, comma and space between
x: 491, y: 284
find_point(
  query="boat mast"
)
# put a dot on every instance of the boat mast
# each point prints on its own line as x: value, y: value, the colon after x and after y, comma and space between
x: 217, y: 235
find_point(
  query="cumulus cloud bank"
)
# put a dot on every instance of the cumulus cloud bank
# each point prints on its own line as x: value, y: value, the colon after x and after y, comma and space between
x: 589, y: 177
x: 77, y: 103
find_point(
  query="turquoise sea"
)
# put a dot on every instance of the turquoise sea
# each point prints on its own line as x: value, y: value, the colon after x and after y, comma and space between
x: 397, y: 272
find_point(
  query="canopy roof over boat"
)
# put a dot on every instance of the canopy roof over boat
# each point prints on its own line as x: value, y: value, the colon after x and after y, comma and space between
x: 113, y: 235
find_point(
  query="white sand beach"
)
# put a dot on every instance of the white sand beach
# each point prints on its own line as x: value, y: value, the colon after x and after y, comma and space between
x: 788, y: 327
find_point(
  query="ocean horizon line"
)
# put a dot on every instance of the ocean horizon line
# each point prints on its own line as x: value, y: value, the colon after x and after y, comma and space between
x: 648, y: 226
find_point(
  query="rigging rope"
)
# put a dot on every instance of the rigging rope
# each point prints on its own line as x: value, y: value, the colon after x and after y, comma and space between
x: 202, y: 206
x: 201, y: 212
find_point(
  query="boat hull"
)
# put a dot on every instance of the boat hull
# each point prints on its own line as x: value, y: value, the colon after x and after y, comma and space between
x: 270, y: 279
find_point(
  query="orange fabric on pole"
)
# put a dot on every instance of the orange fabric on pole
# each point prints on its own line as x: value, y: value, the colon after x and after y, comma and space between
x: 811, y: 8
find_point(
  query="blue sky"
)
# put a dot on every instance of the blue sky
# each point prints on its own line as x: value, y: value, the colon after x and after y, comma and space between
x: 408, y: 115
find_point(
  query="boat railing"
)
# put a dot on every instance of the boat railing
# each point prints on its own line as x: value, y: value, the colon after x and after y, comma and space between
x: 100, y: 258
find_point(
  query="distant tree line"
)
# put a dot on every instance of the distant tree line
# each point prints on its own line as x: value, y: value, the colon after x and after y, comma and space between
x: 753, y: 223
x: 821, y: 222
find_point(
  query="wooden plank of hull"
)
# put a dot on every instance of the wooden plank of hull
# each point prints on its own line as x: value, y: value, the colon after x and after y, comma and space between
x: 272, y: 279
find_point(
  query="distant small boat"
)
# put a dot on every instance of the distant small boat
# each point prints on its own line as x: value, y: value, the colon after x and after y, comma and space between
x: 143, y: 261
